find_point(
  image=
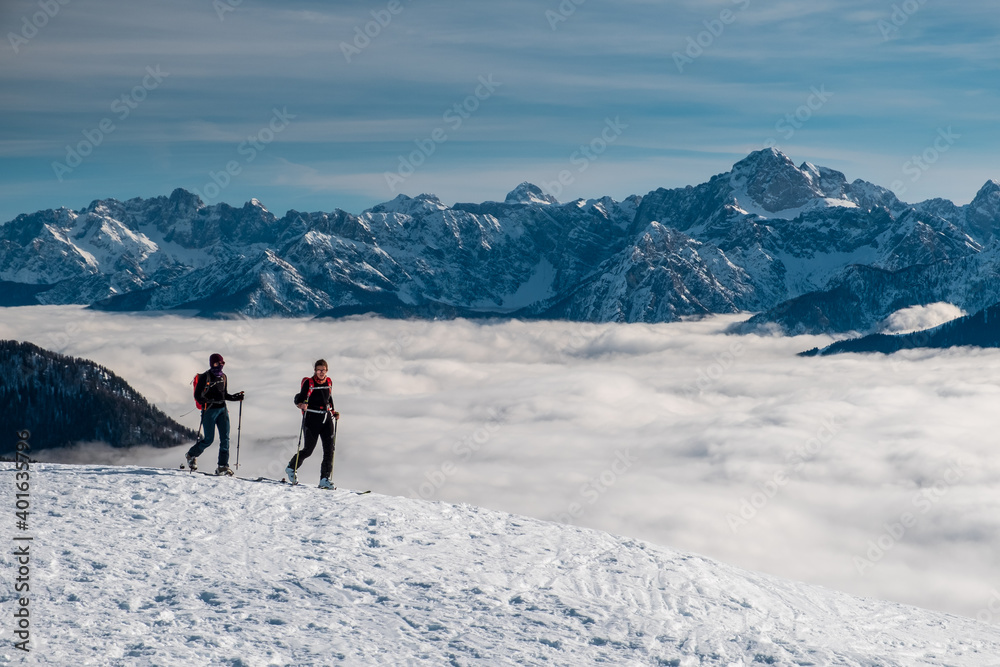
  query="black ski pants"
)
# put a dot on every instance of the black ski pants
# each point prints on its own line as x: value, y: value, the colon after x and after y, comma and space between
x: 312, y: 432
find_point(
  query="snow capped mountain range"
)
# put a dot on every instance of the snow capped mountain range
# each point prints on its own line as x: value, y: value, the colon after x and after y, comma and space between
x: 144, y: 566
x: 800, y: 243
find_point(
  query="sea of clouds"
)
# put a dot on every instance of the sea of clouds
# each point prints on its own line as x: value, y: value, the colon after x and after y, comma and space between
x: 870, y: 474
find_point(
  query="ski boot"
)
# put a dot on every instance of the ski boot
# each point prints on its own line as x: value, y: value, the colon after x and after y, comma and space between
x: 290, y: 476
x: 192, y: 462
x: 224, y: 470
x: 325, y: 484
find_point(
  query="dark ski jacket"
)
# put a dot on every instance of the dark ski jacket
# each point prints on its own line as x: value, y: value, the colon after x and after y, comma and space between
x: 319, y: 402
x: 213, y: 392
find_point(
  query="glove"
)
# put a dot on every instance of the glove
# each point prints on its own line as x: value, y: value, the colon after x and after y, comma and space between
x: 239, y: 396
x: 336, y: 415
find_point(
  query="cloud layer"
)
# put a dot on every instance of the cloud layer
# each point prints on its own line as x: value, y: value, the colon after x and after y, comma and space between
x: 868, y: 474
x: 918, y: 318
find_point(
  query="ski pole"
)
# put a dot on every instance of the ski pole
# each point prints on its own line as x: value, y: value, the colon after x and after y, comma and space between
x: 201, y: 419
x: 201, y: 424
x: 298, y: 447
x: 239, y: 427
x: 333, y: 455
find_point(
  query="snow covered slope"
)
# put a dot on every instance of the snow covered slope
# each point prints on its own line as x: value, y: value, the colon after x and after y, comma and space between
x: 143, y: 566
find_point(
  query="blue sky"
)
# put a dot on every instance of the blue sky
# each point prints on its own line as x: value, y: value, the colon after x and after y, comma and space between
x: 166, y: 95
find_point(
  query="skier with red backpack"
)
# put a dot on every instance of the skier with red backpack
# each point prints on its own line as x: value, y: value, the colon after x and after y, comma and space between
x: 210, y: 395
x: 319, y: 418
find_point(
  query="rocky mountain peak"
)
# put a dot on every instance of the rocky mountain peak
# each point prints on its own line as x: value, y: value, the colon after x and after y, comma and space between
x: 984, y: 211
x: 181, y: 198
x: 990, y: 192
x: 180, y: 205
x: 421, y: 204
x: 772, y: 182
x: 831, y: 182
x: 529, y: 193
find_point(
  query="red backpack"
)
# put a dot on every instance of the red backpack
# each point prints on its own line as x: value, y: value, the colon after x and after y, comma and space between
x: 312, y: 386
x: 194, y: 390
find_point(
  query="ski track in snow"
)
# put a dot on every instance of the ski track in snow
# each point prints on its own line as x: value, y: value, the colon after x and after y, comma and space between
x: 146, y: 566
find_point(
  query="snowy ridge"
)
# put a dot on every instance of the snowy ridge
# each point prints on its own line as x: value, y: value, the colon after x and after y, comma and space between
x: 773, y: 230
x: 143, y: 566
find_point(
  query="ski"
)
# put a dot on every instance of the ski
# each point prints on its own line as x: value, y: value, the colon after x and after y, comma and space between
x: 357, y: 493
x: 266, y: 480
x: 206, y: 473
x: 269, y: 480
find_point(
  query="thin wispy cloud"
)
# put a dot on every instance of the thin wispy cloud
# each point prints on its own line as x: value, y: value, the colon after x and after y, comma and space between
x: 562, y: 71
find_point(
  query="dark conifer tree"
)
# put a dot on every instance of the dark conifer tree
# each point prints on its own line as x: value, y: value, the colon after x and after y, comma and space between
x: 63, y: 400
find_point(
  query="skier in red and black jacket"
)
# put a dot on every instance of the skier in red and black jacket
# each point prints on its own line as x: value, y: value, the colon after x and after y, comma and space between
x: 211, y: 393
x: 315, y: 399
